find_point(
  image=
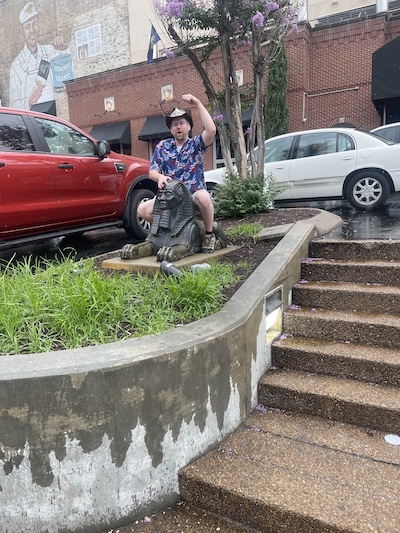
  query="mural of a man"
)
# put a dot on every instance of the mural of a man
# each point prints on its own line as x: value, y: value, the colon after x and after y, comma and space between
x: 31, y: 79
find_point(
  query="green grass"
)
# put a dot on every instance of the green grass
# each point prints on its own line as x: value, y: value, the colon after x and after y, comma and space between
x: 68, y: 304
x: 245, y: 230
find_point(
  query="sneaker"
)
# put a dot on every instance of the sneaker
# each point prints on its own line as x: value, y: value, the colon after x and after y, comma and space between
x: 208, y: 244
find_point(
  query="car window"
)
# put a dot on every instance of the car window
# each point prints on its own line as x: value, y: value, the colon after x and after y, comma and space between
x: 14, y: 134
x: 377, y: 135
x: 345, y: 143
x: 278, y: 149
x: 65, y: 140
x: 392, y: 133
x: 323, y: 143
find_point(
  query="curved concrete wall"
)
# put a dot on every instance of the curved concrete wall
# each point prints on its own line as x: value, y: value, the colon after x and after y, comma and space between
x: 94, y: 438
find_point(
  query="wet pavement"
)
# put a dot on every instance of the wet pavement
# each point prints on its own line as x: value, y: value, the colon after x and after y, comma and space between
x: 357, y: 225
x: 89, y: 244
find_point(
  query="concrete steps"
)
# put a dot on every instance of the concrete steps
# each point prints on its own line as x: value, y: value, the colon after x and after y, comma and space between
x: 363, y: 297
x: 346, y: 400
x: 285, y: 472
x: 313, y: 456
x: 372, y: 364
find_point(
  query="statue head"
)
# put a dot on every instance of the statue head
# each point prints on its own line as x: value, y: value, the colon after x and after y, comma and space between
x: 173, y: 207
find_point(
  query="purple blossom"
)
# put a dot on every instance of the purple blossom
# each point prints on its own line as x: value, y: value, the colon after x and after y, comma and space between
x: 218, y: 118
x: 171, y: 9
x: 169, y: 54
x: 272, y: 6
x: 248, y: 131
x: 258, y: 20
x: 285, y: 336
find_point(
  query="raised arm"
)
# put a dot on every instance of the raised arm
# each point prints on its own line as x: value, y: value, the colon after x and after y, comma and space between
x: 209, y: 131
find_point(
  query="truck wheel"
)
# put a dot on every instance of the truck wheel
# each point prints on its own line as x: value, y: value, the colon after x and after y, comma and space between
x: 136, y: 226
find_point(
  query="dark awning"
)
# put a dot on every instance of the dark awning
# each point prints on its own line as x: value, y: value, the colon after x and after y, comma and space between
x: 46, y: 107
x: 119, y: 132
x: 386, y: 71
x: 154, y: 128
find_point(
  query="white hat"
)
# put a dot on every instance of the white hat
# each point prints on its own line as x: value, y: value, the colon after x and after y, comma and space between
x: 178, y: 113
x: 27, y: 13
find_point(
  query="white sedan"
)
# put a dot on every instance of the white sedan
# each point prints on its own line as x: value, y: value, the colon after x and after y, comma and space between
x: 330, y: 163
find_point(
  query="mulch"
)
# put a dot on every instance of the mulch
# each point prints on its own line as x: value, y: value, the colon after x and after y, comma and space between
x: 250, y: 254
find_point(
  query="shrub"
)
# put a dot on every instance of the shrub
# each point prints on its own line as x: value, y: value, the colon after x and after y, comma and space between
x: 238, y: 197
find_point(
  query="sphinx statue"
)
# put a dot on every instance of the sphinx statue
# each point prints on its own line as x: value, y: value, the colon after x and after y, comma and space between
x: 175, y: 232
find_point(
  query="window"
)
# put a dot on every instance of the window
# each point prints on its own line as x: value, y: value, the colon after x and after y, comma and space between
x: 345, y: 143
x: 64, y: 140
x: 391, y: 132
x: 88, y: 42
x: 278, y: 150
x: 314, y: 144
x: 219, y: 160
x: 14, y: 134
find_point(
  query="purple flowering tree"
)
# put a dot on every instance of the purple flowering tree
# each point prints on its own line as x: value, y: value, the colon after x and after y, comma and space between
x: 198, y: 27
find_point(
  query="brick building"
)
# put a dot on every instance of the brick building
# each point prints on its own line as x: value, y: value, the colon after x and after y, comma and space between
x: 114, y: 93
x: 329, y: 82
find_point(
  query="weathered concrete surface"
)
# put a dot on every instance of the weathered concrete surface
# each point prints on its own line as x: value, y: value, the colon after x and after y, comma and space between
x: 288, y: 472
x: 149, y: 265
x: 323, y: 221
x: 93, y: 438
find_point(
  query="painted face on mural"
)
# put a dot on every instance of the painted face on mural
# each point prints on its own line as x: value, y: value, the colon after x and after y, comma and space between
x: 30, y: 32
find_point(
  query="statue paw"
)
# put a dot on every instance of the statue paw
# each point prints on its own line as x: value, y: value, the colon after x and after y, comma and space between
x: 128, y: 252
x: 165, y: 253
x: 136, y: 251
x: 171, y: 253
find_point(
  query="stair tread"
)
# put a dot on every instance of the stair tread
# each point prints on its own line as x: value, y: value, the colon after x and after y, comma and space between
x: 355, y: 315
x: 360, y: 263
x: 348, y: 286
x: 357, y: 248
x: 335, y: 476
x: 341, y: 349
x: 347, y: 438
x: 347, y: 390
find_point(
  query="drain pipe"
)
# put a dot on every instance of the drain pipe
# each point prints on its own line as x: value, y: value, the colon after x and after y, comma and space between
x: 324, y: 94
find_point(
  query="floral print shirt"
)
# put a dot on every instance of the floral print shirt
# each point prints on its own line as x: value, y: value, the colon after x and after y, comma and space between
x: 185, y: 165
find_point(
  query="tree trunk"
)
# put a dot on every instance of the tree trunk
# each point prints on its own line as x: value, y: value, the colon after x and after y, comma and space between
x: 257, y: 134
x: 233, y: 108
x: 212, y: 98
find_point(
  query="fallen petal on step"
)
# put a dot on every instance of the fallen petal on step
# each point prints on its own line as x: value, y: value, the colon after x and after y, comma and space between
x: 393, y: 439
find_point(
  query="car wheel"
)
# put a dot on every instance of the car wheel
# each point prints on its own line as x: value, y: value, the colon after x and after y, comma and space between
x: 210, y: 189
x: 137, y: 227
x: 368, y: 190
